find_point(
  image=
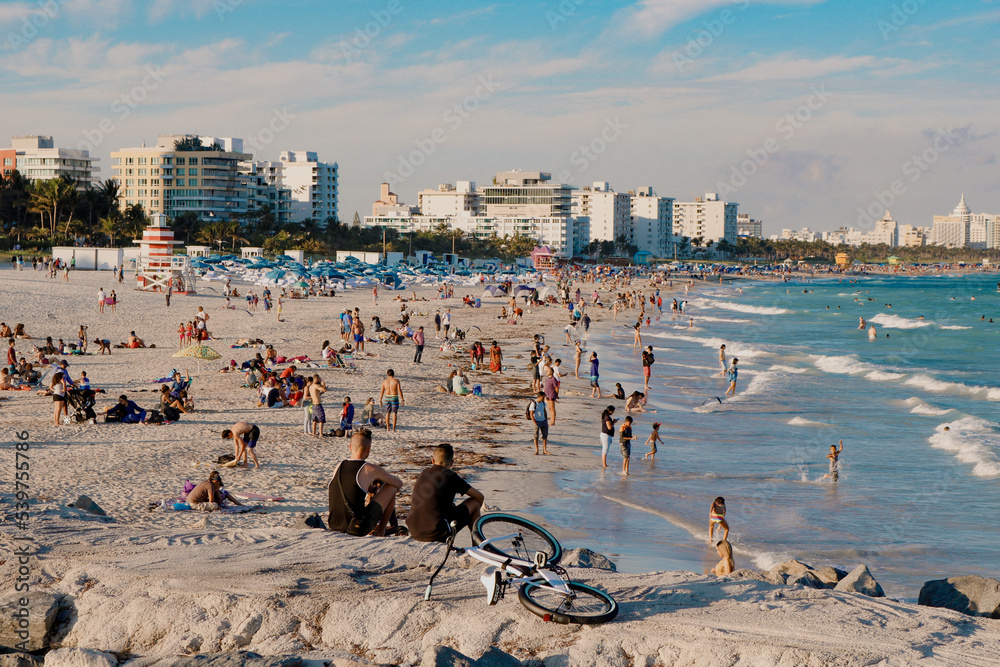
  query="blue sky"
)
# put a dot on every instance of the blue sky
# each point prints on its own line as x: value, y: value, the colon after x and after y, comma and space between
x: 805, y: 112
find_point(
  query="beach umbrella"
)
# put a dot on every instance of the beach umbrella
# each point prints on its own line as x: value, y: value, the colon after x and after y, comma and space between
x: 301, y: 283
x: 199, y: 353
x: 276, y: 274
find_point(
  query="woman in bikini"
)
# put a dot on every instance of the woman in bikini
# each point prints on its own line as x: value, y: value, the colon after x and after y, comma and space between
x: 717, y: 515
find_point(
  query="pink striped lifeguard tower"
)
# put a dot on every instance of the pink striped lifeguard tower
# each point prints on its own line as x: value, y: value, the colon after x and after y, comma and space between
x: 158, y: 267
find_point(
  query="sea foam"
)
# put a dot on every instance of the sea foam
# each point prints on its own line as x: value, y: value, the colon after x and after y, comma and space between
x: 971, y: 440
x: 897, y: 322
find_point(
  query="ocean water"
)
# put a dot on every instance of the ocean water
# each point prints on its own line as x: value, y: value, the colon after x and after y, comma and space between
x: 914, y: 501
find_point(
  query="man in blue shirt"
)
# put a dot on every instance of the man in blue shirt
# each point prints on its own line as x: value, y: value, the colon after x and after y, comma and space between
x: 127, y: 411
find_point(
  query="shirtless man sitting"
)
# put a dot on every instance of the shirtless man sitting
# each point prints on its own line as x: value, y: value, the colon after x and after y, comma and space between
x: 362, y: 495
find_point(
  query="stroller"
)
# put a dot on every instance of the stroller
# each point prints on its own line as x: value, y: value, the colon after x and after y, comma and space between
x: 83, y: 402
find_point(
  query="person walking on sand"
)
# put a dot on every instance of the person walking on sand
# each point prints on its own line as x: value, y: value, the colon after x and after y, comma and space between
x: 446, y: 322
x: 316, y: 391
x: 392, y: 393
x: 607, y: 432
x: 537, y: 413
x: 244, y: 436
x: 653, y: 438
x: 647, y: 365
x: 595, y: 376
x: 717, y: 516
x: 578, y: 357
x: 625, y: 438
x: 169, y: 292
x: 834, y: 457
x: 418, y: 340
x: 437, y: 324
x: 550, y: 387
x: 496, y: 358
x: 101, y: 299
x: 637, y: 343
x: 733, y: 375
x: 723, y: 366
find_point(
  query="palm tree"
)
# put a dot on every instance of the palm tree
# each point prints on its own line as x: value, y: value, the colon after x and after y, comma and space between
x: 232, y: 230
x: 111, y: 227
x: 212, y: 233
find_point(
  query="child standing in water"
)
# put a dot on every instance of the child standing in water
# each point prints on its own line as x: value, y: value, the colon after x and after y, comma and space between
x: 834, y: 457
x: 717, y: 515
x: 625, y: 438
x: 653, y: 438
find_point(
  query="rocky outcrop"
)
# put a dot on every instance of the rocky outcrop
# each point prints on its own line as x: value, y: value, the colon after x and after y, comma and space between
x: 972, y: 595
x: 860, y: 580
x: 445, y: 656
x: 231, y: 659
x: 582, y: 557
x: 79, y: 657
x: 18, y: 659
x: 28, y: 627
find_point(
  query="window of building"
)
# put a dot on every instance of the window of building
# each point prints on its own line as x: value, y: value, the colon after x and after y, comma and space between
x: 142, y: 160
x: 181, y: 172
x: 129, y: 181
x: 192, y: 181
x: 181, y: 160
x: 7, y: 162
x: 130, y: 160
x: 193, y: 172
x: 193, y: 160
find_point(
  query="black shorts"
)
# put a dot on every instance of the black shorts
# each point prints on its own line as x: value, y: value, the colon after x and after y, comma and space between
x: 58, y: 399
x: 542, y: 429
x: 365, y: 523
x: 462, y: 518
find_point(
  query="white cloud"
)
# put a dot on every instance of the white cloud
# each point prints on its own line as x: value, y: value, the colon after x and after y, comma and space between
x: 787, y: 68
x: 651, y: 18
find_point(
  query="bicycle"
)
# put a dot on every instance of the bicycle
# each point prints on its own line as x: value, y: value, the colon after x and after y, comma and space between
x: 523, y: 554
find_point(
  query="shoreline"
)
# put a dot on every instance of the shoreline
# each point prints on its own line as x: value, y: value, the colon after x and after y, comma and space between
x: 157, y: 583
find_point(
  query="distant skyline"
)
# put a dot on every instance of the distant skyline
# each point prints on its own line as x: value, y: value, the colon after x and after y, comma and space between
x: 806, y: 113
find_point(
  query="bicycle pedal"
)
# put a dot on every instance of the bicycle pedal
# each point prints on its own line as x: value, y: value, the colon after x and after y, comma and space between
x: 494, y: 586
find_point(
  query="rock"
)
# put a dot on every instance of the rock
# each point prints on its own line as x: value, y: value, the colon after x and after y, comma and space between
x: 581, y: 557
x: 445, y: 656
x: 79, y: 657
x: 43, y: 610
x: 18, y: 659
x: 972, y: 595
x: 806, y: 580
x: 87, y: 505
x: 860, y: 580
x: 744, y: 573
x: 309, y: 521
x: 494, y: 657
x: 232, y: 659
x: 829, y: 576
x: 792, y: 568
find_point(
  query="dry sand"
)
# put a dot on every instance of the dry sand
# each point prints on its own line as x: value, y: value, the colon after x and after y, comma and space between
x: 150, y: 583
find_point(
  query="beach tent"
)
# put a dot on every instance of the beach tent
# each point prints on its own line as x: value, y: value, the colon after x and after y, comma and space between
x: 494, y: 290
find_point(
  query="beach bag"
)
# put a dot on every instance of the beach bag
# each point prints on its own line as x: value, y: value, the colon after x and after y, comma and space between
x: 225, y: 458
x: 171, y: 414
x: 111, y: 419
x: 154, y: 417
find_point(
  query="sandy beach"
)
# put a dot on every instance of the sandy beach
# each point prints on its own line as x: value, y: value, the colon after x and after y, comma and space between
x: 145, y: 582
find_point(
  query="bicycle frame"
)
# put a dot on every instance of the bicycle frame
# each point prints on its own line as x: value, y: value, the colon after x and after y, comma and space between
x: 523, y: 571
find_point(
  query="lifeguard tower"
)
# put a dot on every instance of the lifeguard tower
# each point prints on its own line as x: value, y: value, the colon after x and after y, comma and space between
x: 157, y: 267
x: 543, y: 258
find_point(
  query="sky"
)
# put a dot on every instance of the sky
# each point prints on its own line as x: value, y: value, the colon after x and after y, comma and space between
x: 805, y: 112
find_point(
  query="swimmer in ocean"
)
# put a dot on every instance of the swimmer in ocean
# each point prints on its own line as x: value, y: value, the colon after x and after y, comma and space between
x: 834, y: 457
x: 872, y: 334
x: 863, y: 324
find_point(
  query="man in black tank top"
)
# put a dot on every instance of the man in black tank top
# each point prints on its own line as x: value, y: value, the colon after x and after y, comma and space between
x: 351, y: 509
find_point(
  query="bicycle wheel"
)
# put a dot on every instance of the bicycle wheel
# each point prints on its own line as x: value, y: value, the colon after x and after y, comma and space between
x: 587, y: 605
x: 528, y: 539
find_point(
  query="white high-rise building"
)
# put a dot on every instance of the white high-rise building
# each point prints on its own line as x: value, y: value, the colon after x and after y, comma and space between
x: 992, y: 230
x: 706, y: 218
x: 609, y: 212
x: 38, y: 159
x: 746, y: 226
x: 652, y: 222
x: 184, y: 173
x: 448, y: 200
x: 912, y: 237
x: 952, y: 231
x: 886, y: 231
x: 314, y: 185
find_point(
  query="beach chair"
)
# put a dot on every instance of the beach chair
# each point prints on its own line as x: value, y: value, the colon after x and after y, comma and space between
x: 344, y: 362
